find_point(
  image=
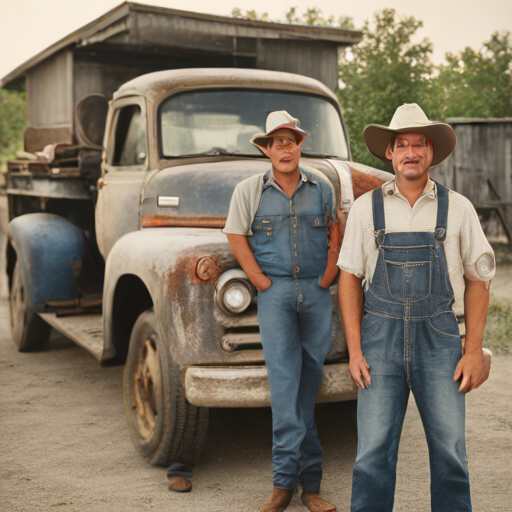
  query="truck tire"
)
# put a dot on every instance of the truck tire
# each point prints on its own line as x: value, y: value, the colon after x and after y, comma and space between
x: 29, y: 331
x: 163, y: 426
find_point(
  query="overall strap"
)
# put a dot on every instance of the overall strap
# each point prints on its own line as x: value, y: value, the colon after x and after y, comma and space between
x: 379, y: 221
x: 442, y: 212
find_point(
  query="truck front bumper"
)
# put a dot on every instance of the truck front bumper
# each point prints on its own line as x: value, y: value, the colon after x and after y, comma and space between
x: 247, y: 386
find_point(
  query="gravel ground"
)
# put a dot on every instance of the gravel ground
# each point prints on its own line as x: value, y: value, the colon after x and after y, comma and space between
x: 64, y: 443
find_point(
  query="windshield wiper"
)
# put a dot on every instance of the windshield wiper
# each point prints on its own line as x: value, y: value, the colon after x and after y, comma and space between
x: 319, y: 155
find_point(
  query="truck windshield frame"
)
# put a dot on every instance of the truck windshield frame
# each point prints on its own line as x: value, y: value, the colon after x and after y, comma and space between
x: 201, y: 122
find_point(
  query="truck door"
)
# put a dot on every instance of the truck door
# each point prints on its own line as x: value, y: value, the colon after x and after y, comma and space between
x: 124, y: 167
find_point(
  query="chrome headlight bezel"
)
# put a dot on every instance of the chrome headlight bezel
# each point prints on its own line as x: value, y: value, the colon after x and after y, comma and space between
x: 228, y: 281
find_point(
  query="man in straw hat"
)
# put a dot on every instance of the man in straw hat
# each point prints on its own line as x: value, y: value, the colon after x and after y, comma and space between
x: 278, y: 227
x: 425, y: 263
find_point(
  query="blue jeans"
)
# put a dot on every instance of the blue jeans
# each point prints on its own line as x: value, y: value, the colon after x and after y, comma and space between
x: 430, y: 364
x: 295, y: 318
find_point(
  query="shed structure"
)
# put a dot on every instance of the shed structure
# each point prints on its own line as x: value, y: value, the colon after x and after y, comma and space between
x: 480, y: 167
x: 133, y: 39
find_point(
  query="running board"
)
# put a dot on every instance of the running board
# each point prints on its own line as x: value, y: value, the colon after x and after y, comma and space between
x: 84, y: 330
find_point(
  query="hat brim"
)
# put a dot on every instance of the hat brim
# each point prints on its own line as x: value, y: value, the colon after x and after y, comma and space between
x: 377, y: 139
x: 260, y: 139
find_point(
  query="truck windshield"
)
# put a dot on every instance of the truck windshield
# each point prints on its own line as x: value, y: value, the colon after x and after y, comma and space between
x: 221, y: 122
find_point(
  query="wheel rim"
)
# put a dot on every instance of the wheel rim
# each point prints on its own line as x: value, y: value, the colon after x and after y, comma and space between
x: 18, y: 306
x: 147, y: 389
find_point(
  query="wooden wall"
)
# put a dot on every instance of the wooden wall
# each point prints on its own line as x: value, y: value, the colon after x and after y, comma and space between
x: 480, y: 168
x: 50, y: 91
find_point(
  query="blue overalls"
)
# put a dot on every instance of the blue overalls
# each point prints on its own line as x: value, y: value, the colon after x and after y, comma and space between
x: 410, y: 339
x: 290, y: 245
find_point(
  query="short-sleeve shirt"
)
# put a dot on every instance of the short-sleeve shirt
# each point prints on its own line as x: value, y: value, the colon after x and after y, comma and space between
x: 247, y: 195
x: 468, y: 253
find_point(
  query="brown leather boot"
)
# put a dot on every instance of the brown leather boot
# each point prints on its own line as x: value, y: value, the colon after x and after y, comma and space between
x: 278, y: 501
x: 315, y: 503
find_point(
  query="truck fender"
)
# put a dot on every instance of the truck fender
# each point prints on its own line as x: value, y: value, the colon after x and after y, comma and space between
x: 50, y: 250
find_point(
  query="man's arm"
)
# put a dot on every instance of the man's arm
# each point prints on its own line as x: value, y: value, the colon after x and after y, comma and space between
x: 475, y: 364
x: 335, y: 235
x: 350, y: 300
x: 243, y: 254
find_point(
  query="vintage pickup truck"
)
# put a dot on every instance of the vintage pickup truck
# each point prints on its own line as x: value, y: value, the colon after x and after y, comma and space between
x: 129, y: 261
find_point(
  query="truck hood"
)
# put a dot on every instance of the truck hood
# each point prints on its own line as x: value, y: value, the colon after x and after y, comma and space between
x: 198, y: 194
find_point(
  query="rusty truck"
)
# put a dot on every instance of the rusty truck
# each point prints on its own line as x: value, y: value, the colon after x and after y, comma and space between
x: 117, y: 243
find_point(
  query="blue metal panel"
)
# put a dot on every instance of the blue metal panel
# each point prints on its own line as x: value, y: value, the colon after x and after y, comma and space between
x: 49, y: 250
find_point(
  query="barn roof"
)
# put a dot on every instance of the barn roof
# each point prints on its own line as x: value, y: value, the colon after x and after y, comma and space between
x: 119, y: 21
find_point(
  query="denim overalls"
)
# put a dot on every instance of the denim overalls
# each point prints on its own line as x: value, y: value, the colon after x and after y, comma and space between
x: 410, y: 339
x: 290, y: 244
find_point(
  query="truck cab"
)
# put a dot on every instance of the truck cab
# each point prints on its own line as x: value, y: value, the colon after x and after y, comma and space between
x: 138, y: 271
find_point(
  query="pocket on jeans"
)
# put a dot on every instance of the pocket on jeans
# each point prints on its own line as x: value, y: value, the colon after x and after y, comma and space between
x: 445, y: 324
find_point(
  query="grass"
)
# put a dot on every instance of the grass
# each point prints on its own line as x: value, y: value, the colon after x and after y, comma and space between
x: 498, y: 330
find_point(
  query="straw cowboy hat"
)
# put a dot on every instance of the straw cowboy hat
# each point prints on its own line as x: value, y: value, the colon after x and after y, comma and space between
x: 276, y: 121
x: 409, y: 118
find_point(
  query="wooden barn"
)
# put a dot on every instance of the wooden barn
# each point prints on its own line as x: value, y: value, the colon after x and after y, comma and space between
x: 480, y: 168
x: 134, y: 39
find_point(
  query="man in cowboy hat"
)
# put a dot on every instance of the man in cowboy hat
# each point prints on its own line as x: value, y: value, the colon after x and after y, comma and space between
x: 425, y: 263
x: 277, y: 227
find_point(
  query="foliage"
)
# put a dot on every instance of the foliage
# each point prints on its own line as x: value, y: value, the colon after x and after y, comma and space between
x: 384, y: 71
x: 12, y: 123
x: 312, y: 16
x: 478, y: 83
x: 249, y: 15
x: 498, y: 328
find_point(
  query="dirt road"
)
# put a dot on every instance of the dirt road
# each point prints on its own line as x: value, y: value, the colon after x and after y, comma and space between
x: 64, y: 444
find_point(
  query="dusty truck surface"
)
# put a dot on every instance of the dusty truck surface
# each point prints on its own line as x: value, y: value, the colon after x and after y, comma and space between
x: 127, y: 258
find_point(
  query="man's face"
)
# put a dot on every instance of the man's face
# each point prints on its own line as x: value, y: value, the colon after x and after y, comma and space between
x: 411, y: 155
x: 283, y: 151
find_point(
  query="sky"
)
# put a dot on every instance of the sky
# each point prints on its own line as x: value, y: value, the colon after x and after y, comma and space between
x: 29, y: 26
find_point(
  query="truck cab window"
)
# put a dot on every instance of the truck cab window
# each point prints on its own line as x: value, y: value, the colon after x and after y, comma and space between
x: 129, y: 141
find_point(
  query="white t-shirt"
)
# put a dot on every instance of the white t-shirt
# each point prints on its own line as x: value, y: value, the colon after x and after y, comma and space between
x: 468, y: 253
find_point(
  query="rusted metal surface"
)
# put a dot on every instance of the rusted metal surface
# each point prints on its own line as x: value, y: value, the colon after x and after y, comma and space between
x: 85, y: 330
x: 152, y: 221
x: 64, y: 188
x: 156, y: 86
x: 366, y: 178
x: 208, y: 269
x: 248, y: 386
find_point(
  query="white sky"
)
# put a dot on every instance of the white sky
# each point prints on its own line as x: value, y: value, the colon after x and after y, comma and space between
x: 29, y: 26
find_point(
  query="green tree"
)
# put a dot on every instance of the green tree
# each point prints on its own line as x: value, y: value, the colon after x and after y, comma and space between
x: 249, y: 15
x: 478, y: 83
x: 314, y: 16
x: 12, y: 123
x: 383, y: 72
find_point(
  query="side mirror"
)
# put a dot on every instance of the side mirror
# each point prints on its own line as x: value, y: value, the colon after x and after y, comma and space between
x: 91, y: 115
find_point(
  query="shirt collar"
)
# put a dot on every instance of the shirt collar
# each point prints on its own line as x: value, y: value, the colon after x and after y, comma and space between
x: 430, y: 189
x: 268, y: 178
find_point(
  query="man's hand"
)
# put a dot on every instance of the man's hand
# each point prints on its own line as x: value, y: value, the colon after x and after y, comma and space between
x: 360, y: 371
x: 474, y: 368
x: 261, y: 281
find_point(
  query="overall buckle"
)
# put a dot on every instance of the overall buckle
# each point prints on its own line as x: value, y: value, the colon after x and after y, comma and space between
x: 440, y: 233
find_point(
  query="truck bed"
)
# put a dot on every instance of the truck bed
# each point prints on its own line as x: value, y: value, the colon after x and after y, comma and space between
x: 84, y: 330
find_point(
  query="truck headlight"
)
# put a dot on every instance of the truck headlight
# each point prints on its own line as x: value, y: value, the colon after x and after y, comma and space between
x: 234, y: 291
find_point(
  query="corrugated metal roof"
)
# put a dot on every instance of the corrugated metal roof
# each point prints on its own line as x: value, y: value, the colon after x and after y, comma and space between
x: 336, y: 35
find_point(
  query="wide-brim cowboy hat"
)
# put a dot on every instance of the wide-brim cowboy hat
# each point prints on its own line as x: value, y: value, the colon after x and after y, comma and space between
x: 277, y: 121
x: 409, y: 118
